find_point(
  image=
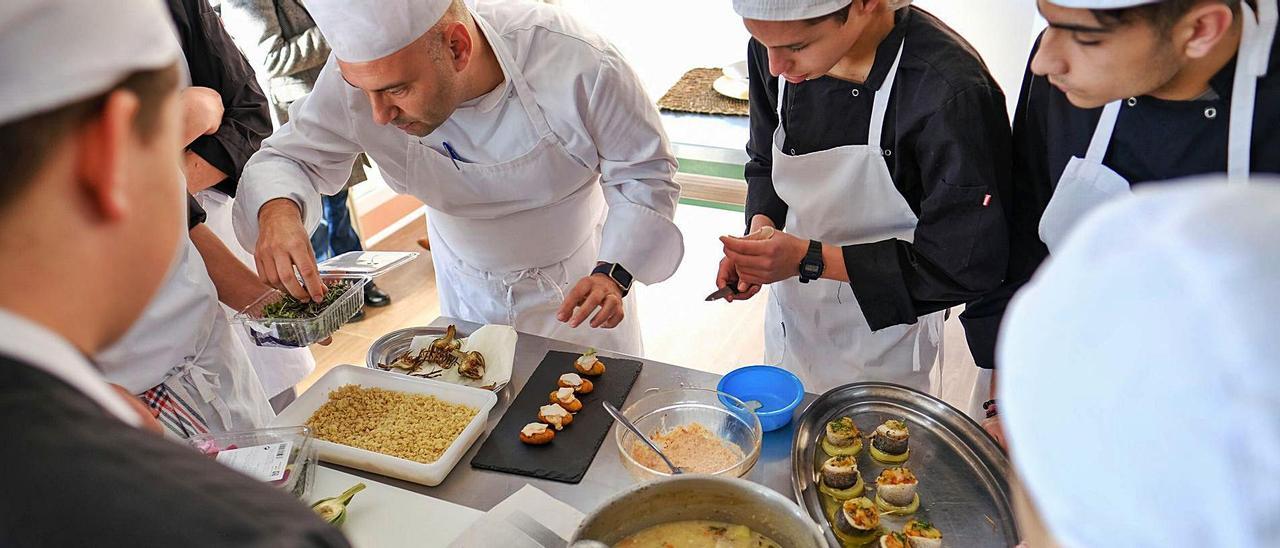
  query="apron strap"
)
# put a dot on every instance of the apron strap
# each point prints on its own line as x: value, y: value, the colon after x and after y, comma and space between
x: 782, y: 86
x: 1102, y: 134
x: 881, y: 104
x: 509, y: 68
x: 1255, y: 46
x: 206, y: 384
x: 510, y: 280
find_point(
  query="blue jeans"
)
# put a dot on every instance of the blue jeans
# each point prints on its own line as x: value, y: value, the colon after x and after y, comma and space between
x: 335, y: 235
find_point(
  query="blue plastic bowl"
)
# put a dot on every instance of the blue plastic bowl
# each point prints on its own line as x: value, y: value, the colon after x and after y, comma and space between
x: 779, y: 392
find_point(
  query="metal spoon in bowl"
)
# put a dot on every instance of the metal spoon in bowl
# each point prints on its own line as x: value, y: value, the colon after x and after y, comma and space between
x: 617, y: 415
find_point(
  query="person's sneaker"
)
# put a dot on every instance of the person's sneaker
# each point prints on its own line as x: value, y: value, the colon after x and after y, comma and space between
x: 375, y: 297
x: 359, y: 315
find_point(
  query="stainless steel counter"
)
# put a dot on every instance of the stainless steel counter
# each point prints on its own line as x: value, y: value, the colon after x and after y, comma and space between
x: 482, y: 489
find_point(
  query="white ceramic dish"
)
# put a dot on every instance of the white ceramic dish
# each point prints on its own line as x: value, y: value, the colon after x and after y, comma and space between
x: 732, y: 87
x: 426, y: 474
x: 737, y: 71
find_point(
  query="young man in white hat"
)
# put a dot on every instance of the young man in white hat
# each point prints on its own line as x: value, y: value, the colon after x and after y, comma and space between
x: 91, y: 214
x: 1160, y: 425
x: 1123, y: 93
x: 544, y: 166
x: 880, y: 145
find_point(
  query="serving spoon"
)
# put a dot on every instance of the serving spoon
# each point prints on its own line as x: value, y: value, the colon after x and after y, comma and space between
x: 617, y: 415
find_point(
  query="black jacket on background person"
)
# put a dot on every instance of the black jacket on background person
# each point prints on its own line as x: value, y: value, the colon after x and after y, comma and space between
x: 948, y: 130
x: 74, y: 475
x: 1154, y: 140
x: 215, y: 63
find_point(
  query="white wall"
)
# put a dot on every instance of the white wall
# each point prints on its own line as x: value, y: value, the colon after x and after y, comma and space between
x: 664, y: 38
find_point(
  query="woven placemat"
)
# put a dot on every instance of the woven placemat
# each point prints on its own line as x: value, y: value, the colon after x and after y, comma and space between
x: 693, y: 93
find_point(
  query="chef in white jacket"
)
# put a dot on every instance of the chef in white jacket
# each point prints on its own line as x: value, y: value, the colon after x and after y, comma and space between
x: 546, y: 172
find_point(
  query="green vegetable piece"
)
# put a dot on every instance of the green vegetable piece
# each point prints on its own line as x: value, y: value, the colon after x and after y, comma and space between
x: 289, y: 308
x: 334, y: 510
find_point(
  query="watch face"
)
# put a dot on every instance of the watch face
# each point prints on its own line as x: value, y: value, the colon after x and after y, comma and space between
x: 622, y: 277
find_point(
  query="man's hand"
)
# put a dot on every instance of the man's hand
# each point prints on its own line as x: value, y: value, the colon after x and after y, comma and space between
x: 765, y: 256
x: 283, y: 244
x: 148, y: 421
x: 201, y: 112
x: 728, y: 275
x: 596, y: 291
x: 761, y: 228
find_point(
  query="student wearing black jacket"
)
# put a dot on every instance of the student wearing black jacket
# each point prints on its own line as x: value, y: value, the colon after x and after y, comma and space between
x: 1123, y: 93
x: 879, y: 155
x: 213, y: 162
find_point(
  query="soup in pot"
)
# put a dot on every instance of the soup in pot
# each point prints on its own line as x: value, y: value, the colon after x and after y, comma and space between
x: 697, y: 534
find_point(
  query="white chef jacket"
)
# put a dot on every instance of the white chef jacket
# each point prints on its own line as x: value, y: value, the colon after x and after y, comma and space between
x: 593, y: 101
x: 33, y: 344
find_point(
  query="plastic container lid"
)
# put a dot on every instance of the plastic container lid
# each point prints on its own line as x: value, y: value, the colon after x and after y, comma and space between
x: 285, y: 457
x: 366, y: 263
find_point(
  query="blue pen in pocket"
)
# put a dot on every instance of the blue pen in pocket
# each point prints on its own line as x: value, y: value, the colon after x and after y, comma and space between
x: 453, y: 154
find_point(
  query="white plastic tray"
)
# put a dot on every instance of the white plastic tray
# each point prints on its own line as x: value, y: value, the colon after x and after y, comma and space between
x: 426, y: 474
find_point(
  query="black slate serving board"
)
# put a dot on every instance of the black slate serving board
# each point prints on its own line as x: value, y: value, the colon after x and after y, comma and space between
x: 569, y: 455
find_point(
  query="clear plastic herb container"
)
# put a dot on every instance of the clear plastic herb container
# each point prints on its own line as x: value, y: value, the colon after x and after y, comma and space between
x: 284, y: 457
x: 305, y: 331
x: 366, y: 263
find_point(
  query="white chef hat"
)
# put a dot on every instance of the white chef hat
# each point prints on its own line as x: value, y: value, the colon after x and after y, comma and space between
x: 796, y: 10
x: 1140, y: 372
x: 1102, y: 4
x: 786, y: 10
x: 56, y: 52
x: 365, y: 30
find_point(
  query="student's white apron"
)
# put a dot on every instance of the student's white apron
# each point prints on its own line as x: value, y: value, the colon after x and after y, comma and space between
x: 1086, y: 183
x: 278, y: 369
x: 182, y: 359
x: 843, y: 196
x: 515, y: 269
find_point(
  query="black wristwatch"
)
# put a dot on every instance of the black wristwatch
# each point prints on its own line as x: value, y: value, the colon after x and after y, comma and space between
x: 811, y: 267
x: 618, y: 274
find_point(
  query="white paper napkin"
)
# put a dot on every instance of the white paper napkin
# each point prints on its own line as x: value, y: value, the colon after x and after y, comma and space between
x: 528, y: 519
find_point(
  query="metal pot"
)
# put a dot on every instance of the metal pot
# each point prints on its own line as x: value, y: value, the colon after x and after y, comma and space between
x: 695, y: 497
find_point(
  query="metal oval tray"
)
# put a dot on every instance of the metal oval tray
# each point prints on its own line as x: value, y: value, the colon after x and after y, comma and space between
x: 397, y: 342
x: 964, y: 488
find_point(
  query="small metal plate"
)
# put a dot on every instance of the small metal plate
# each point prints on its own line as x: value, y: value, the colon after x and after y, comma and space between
x: 964, y: 487
x: 390, y: 346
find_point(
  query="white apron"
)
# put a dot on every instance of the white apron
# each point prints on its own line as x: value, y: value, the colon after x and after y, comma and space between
x: 279, y: 369
x: 1086, y: 183
x: 183, y: 345
x: 515, y: 269
x: 844, y: 196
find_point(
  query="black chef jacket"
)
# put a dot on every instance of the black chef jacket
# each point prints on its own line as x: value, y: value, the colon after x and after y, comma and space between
x: 215, y: 63
x: 76, y: 476
x: 1154, y: 140
x: 948, y: 133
